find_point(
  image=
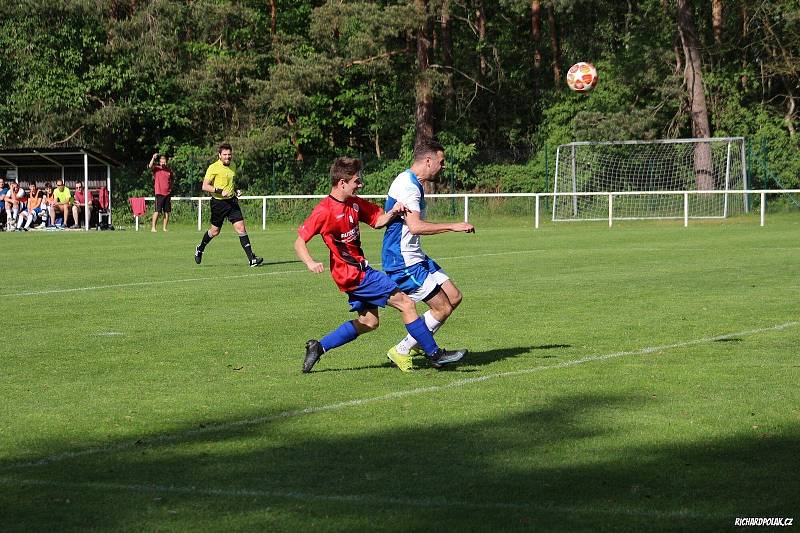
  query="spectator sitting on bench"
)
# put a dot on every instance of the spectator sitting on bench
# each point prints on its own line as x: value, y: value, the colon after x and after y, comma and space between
x: 14, y: 200
x: 78, y: 206
x: 33, y: 210
x: 63, y: 200
x: 3, y: 192
x: 47, y: 205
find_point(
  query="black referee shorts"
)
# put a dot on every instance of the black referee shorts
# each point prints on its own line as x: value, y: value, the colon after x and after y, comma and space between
x: 222, y: 209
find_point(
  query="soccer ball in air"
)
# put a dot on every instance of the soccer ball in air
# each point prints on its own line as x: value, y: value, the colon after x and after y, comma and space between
x: 582, y: 77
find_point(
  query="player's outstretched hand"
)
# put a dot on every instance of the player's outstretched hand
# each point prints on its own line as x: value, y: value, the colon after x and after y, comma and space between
x: 315, y: 267
x: 463, y: 226
x: 399, y: 208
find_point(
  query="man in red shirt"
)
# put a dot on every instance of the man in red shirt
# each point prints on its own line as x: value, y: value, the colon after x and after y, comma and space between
x: 162, y: 179
x: 336, y: 220
x: 78, y: 206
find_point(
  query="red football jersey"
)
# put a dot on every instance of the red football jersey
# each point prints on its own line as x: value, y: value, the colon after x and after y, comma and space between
x: 162, y: 177
x: 337, y: 223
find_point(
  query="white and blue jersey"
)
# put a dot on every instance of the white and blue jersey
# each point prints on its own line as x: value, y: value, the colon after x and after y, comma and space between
x: 401, y: 248
x: 402, y: 255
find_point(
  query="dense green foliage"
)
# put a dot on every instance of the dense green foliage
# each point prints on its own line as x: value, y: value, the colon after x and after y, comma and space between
x: 129, y: 77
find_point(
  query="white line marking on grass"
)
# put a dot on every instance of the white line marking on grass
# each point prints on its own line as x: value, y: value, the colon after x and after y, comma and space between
x: 216, y: 278
x: 299, y: 271
x: 159, y: 439
x: 359, y: 499
x: 142, y: 284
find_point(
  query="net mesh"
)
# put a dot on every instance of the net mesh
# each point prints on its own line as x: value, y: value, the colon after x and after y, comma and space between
x: 649, y: 166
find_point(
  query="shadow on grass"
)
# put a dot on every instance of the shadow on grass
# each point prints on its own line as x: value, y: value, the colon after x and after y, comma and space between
x: 550, y: 346
x: 242, y: 262
x: 473, y: 359
x: 561, y: 465
x: 385, y: 365
x: 287, y: 262
x: 492, y: 356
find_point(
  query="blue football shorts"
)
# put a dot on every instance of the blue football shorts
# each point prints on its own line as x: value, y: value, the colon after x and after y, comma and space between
x: 373, y: 291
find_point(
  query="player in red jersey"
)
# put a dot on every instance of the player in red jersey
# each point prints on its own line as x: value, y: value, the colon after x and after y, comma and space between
x: 336, y: 219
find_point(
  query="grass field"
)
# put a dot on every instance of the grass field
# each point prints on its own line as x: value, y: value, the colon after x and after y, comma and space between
x: 643, y: 377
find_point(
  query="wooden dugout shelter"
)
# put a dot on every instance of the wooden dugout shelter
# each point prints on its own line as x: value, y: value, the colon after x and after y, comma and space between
x: 73, y: 164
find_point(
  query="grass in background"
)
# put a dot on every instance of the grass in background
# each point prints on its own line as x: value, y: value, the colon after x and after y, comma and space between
x: 638, y: 377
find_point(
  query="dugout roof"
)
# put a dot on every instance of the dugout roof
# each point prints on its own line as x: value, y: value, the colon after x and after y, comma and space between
x: 34, y: 157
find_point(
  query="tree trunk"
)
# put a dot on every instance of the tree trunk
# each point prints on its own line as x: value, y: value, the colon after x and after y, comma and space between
x: 298, y: 153
x: 693, y: 75
x: 480, y: 13
x: 536, y: 32
x: 424, y: 93
x: 554, y: 44
x: 716, y: 20
x: 273, y: 13
x: 377, y: 114
x: 743, y: 79
x: 446, y: 29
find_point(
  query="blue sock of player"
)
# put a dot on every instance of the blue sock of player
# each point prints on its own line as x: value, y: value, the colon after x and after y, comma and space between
x: 424, y: 337
x: 341, y: 335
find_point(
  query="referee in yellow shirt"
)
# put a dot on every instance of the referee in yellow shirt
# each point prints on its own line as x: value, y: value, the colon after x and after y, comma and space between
x: 219, y: 182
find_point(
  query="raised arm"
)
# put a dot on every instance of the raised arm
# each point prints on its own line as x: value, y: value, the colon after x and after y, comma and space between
x: 152, y: 162
x: 301, y: 249
x: 417, y: 226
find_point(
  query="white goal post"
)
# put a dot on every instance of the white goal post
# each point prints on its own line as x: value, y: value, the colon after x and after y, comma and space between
x: 586, y: 172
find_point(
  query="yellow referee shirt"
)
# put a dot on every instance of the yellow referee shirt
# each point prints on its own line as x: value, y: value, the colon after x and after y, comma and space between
x: 221, y: 177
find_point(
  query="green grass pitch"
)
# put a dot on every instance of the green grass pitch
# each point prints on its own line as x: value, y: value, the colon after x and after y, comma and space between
x: 643, y: 377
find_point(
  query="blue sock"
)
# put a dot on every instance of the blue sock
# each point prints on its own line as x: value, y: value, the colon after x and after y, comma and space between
x: 423, y: 335
x: 341, y: 335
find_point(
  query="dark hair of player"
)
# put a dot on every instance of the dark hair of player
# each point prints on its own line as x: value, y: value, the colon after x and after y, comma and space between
x: 426, y: 147
x: 343, y: 168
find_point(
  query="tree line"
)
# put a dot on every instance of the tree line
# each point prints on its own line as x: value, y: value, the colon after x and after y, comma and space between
x: 293, y: 83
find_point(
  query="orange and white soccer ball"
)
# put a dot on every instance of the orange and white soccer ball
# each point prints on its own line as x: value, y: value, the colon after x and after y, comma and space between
x: 582, y: 77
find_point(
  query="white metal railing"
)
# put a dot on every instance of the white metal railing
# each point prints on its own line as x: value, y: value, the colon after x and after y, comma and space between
x: 466, y: 196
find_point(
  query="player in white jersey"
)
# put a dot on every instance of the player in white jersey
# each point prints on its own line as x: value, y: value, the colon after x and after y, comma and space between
x: 403, y: 259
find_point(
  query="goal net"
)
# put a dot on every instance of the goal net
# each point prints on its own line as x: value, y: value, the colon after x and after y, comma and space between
x: 651, y: 177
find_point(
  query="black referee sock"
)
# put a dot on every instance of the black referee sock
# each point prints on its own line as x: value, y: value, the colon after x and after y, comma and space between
x: 206, y: 239
x: 245, y: 240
